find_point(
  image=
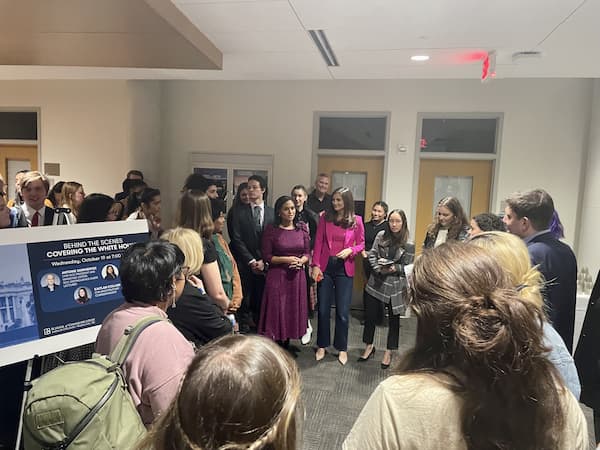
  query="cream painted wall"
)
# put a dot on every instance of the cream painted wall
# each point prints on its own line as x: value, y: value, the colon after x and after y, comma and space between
x: 96, y: 130
x: 543, y: 139
x: 589, y: 241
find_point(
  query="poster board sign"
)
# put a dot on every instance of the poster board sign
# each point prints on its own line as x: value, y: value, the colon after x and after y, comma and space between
x: 58, y: 283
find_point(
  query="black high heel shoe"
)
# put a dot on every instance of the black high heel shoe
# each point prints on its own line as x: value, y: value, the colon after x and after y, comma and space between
x: 386, y: 366
x: 370, y: 355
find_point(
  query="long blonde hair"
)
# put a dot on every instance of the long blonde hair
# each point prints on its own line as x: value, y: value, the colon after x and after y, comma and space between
x: 68, y: 192
x: 190, y: 244
x: 240, y: 392
x: 511, y: 253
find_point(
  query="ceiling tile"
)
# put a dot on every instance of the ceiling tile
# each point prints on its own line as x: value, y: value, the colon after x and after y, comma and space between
x: 228, y: 17
x: 358, y: 24
x: 263, y: 41
x: 178, y: 2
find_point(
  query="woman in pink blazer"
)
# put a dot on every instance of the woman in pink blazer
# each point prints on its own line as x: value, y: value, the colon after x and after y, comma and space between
x: 340, y: 237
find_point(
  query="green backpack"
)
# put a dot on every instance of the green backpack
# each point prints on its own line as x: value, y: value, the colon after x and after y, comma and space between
x: 86, y: 404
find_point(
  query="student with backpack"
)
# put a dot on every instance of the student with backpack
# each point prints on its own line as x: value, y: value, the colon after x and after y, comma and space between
x: 152, y: 279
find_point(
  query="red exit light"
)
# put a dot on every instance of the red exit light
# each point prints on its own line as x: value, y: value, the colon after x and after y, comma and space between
x: 488, y: 67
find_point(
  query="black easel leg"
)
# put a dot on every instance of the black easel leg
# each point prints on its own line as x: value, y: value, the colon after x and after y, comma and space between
x: 26, y: 386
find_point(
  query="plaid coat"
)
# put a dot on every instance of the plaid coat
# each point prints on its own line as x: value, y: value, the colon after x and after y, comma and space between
x: 390, y: 287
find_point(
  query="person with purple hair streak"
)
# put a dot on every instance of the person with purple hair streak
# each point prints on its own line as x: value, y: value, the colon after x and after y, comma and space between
x: 556, y: 226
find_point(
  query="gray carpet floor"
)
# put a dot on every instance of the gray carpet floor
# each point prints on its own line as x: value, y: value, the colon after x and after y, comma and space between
x: 333, y: 395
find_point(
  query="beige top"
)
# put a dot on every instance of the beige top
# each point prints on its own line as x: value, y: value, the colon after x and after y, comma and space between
x: 420, y: 412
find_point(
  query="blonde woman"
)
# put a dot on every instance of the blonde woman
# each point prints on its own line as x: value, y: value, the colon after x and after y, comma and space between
x: 72, y: 195
x: 195, y: 314
x: 511, y: 253
x: 240, y: 392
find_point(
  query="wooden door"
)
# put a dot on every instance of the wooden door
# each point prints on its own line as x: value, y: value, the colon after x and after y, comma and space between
x: 14, y: 158
x: 470, y: 181
x: 372, y: 168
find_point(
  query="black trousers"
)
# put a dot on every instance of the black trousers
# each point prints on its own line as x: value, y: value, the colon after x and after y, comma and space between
x: 253, y: 286
x: 372, y: 308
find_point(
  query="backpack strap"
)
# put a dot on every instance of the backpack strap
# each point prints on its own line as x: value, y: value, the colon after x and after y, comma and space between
x: 131, y: 333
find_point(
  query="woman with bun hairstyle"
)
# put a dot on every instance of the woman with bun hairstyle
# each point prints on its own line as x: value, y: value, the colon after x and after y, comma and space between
x: 340, y: 237
x: 450, y: 223
x: 240, y: 392
x: 511, y: 253
x: 478, y: 376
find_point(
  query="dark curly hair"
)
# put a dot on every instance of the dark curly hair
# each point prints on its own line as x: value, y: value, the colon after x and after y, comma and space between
x: 489, y: 222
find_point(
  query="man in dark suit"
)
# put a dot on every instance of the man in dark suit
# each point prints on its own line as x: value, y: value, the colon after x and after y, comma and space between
x: 33, y: 212
x: 528, y: 215
x: 246, y: 234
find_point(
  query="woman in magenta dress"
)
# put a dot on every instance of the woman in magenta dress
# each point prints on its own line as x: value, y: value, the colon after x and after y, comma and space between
x: 286, y: 248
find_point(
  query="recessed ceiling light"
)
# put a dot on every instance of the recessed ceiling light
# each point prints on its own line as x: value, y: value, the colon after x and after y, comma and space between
x: 419, y: 58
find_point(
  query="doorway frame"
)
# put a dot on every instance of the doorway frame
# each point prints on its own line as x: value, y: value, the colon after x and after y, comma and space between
x: 494, y: 157
x: 316, y: 152
x: 26, y: 142
x: 240, y: 161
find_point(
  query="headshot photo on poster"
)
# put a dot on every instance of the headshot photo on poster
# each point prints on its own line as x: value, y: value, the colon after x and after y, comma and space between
x: 82, y: 295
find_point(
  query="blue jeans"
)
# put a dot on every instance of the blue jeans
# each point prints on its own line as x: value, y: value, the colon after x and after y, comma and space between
x: 335, y: 286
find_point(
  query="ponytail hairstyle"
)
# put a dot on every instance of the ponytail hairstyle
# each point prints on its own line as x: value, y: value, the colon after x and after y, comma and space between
x: 511, y: 254
x: 473, y: 324
x: 397, y: 240
x: 459, y: 223
x: 348, y: 217
x: 240, y: 392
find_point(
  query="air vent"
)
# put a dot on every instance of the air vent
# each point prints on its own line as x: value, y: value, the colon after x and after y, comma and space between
x: 527, y: 54
x: 322, y: 43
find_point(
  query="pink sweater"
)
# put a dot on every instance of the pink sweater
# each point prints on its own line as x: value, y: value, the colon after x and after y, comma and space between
x: 157, y: 362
